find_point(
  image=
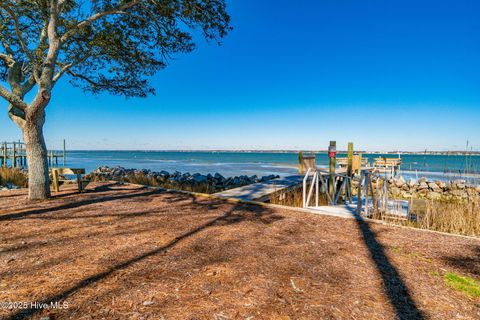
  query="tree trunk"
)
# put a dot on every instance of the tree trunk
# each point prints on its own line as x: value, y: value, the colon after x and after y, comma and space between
x: 38, y: 177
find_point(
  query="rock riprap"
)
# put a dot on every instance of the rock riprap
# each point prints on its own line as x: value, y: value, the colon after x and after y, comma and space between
x: 423, y: 188
x: 184, y: 181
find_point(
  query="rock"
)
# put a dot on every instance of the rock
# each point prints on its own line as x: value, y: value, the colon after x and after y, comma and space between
x: 395, y: 191
x: 441, y: 184
x: 460, y: 185
x: 269, y: 177
x: 477, y: 188
x: 148, y: 303
x: 199, y: 178
x: 412, y: 183
x: 433, y: 186
x: 423, y: 185
x: 219, y: 177
x: 400, y: 181
x: 422, y: 180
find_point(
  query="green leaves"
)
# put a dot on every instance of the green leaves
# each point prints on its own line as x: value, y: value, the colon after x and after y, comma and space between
x: 111, y: 45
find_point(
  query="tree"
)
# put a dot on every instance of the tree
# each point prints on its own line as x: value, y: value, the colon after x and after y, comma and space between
x: 99, y: 45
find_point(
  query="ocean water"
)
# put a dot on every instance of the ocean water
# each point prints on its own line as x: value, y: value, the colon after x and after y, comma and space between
x: 445, y: 167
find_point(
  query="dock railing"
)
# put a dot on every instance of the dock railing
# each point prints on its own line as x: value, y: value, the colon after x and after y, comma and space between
x: 315, y: 179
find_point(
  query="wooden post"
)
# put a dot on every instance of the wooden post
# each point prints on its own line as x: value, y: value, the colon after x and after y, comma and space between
x: 300, y: 162
x: 14, y: 156
x: 367, y: 182
x: 55, y: 176
x: 21, y: 155
x: 332, y: 154
x: 350, y: 159
x: 5, y: 154
x: 79, y: 182
x: 64, y: 153
x: 359, y: 194
x: 349, y: 168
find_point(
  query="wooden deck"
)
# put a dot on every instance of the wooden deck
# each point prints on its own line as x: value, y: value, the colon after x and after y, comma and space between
x: 259, y: 190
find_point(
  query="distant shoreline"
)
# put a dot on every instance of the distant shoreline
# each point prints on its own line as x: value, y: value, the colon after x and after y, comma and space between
x: 433, y: 153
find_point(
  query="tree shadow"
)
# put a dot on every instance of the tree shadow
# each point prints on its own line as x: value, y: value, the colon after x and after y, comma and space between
x: 395, y: 288
x: 237, y: 213
x: 72, y: 205
x: 469, y: 262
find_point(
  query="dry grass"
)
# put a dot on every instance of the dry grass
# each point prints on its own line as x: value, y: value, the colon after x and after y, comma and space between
x: 453, y: 216
x: 293, y: 197
x: 14, y: 176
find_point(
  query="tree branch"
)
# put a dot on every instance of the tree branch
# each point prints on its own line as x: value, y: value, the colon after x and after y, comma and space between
x: 93, y: 18
x: 7, y: 58
x: 18, y: 33
x: 76, y: 75
x: 12, y: 98
x: 68, y: 66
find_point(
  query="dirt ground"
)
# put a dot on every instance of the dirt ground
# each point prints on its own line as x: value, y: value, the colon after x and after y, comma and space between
x: 126, y: 252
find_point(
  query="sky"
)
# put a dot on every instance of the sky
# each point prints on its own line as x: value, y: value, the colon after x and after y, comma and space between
x: 295, y: 74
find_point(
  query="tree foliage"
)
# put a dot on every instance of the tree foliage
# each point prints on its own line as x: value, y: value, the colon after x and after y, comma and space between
x: 100, y: 45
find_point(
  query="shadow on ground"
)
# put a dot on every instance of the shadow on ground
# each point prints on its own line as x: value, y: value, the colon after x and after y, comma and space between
x: 237, y: 213
x: 395, y: 288
x: 468, y: 263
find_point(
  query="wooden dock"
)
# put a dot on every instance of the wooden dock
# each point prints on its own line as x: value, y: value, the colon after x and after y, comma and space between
x: 261, y: 190
x: 14, y: 155
x: 258, y: 191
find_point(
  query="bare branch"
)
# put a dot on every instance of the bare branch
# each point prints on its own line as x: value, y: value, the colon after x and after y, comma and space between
x: 93, y: 18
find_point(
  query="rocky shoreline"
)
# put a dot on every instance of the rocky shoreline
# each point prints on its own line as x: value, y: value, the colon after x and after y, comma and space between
x: 423, y: 188
x: 184, y: 181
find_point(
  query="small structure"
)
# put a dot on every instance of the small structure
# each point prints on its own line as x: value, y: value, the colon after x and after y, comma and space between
x: 388, y: 166
x: 358, y: 162
x: 58, y: 175
x: 305, y: 162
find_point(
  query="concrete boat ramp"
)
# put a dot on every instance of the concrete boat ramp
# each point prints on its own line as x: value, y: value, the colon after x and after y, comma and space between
x: 258, y: 191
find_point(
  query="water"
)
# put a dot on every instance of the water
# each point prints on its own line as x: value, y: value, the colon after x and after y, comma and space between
x: 261, y: 163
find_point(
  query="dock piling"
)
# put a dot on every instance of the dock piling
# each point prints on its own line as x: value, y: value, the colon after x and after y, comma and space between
x: 14, y: 155
x: 332, y: 154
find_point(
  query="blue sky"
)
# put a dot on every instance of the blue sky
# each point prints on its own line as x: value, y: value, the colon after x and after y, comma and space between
x: 386, y: 75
